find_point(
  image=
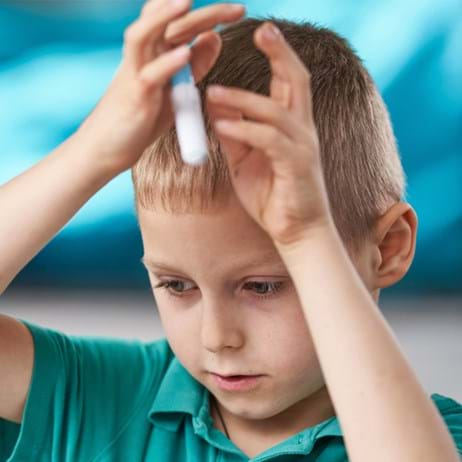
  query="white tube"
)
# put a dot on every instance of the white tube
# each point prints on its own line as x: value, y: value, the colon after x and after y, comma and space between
x: 189, y: 121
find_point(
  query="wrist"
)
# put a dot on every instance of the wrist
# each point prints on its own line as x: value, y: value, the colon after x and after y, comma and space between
x: 86, y: 161
x: 92, y: 155
x: 312, y: 242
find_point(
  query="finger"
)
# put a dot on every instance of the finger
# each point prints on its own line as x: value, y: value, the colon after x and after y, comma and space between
x: 258, y: 108
x: 204, y: 54
x: 161, y: 70
x: 218, y: 111
x: 151, y: 6
x: 233, y: 149
x: 291, y: 80
x: 187, y: 27
x: 148, y: 28
x: 229, y: 146
x: 264, y: 137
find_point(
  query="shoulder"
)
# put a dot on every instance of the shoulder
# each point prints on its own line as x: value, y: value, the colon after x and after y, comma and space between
x: 451, y: 412
x: 83, y: 392
x: 446, y: 405
x: 136, y: 364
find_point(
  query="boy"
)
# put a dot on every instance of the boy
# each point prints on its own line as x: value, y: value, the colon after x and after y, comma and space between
x: 266, y: 268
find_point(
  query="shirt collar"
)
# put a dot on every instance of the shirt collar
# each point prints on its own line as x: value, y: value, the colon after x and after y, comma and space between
x: 181, y: 394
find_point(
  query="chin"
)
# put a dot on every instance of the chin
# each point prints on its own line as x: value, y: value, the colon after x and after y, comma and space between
x: 252, y: 408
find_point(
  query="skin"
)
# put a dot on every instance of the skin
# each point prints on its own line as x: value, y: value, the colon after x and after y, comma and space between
x: 272, y: 150
x: 219, y: 324
x: 132, y: 113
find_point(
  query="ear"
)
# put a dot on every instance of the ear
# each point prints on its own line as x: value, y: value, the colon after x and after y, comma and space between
x: 395, y: 241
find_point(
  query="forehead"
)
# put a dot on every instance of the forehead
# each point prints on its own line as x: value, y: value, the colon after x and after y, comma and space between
x: 225, y: 240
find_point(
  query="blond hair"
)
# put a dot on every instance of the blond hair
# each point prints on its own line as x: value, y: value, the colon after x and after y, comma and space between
x: 361, y: 163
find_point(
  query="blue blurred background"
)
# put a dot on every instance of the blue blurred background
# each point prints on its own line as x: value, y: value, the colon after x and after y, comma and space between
x: 57, y: 58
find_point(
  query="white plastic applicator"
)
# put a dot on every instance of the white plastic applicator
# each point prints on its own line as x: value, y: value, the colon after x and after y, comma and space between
x: 189, y: 121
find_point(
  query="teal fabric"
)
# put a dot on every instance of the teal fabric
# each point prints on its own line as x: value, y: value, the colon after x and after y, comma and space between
x: 95, y: 399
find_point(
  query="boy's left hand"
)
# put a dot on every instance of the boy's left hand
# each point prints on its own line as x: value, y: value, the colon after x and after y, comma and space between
x: 272, y: 148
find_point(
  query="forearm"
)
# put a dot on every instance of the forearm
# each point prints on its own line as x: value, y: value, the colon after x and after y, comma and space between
x: 36, y: 204
x: 383, y: 410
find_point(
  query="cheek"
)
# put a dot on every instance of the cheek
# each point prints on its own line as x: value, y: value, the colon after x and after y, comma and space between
x: 295, y: 361
x: 282, y: 340
x: 290, y: 343
x: 180, y: 330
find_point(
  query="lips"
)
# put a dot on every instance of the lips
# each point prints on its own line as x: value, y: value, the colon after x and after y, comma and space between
x: 230, y: 376
x: 237, y: 382
x: 235, y: 377
x: 227, y: 376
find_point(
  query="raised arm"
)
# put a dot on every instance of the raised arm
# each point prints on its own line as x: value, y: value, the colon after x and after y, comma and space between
x: 383, y: 410
x: 35, y: 205
x: 38, y: 203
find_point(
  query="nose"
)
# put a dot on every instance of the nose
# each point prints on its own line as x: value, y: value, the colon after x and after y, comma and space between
x: 220, y: 327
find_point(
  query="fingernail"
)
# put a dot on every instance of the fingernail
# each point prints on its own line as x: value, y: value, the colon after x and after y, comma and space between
x: 271, y: 32
x: 237, y: 6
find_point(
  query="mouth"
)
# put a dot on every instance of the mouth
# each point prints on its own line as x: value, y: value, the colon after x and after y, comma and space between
x: 232, y: 376
x: 237, y: 382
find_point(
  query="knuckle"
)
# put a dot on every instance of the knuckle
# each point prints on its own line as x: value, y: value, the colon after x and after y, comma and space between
x: 273, y: 137
x: 131, y: 35
x: 171, y: 32
x: 280, y: 119
x: 144, y: 83
x: 278, y: 112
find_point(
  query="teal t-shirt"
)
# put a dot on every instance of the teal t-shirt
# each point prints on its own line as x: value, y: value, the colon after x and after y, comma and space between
x: 96, y: 399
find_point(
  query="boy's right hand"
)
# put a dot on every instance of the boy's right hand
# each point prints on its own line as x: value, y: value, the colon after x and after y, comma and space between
x: 136, y: 108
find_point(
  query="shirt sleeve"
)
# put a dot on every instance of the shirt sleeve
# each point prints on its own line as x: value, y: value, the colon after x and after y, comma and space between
x: 451, y: 411
x: 82, y: 392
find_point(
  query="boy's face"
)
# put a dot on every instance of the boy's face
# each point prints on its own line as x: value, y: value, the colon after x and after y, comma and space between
x: 220, y: 314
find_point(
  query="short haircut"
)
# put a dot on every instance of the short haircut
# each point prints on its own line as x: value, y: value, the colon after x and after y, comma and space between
x: 361, y: 163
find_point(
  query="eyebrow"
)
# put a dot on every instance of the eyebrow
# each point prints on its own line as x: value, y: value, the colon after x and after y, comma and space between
x: 266, y: 259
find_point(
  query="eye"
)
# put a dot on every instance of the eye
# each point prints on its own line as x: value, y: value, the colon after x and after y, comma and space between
x: 174, y: 287
x: 265, y: 289
x: 262, y: 289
